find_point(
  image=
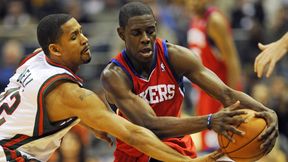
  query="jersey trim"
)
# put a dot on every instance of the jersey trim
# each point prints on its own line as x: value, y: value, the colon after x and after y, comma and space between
x: 49, y: 61
x: 28, y: 57
x: 9, y: 146
x: 41, y: 121
x: 130, y: 65
x: 177, y: 77
x: 116, y: 62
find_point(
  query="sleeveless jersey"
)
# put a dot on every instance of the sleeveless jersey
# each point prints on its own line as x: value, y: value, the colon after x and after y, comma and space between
x: 162, y: 90
x: 200, y: 43
x: 25, y: 130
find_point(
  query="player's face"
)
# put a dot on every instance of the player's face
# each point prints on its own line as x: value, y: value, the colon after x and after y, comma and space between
x: 74, y: 47
x: 139, y: 36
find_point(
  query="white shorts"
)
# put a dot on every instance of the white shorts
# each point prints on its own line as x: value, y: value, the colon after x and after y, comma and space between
x: 225, y: 159
x: 2, y: 155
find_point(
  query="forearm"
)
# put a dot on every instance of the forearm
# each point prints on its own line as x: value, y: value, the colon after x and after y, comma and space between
x: 162, y: 126
x: 165, y: 127
x: 245, y: 100
x: 232, y: 62
x: 234, y: 74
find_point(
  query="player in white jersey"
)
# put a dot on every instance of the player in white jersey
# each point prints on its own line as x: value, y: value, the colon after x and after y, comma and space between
x: 44, y: 99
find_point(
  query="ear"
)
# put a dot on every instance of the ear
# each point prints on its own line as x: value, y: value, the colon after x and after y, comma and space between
x: 120, y: 31
x: 54, y: 50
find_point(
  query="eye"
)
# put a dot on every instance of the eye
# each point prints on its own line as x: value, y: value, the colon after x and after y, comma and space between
x: 150, y: 31
x: 73, y: 36
x: 135, y: 32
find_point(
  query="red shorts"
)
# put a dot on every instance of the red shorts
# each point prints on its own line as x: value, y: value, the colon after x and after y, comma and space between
x: 183, y: 145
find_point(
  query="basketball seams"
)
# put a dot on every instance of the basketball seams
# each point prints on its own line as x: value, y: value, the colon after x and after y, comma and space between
x: 256, y: 156
x: 222, y: 137
x: 249, y: 141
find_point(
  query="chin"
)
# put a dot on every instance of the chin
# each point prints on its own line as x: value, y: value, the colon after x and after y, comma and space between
x: 87, y: 60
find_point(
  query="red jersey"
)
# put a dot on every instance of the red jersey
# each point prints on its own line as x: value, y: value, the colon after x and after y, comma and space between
x: 163, y: 91
x: 201, y: 44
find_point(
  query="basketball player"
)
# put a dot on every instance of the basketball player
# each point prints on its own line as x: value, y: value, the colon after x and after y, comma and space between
x: 45, y: 98
x: 210, y: 38
x: 145, y: 80
x: 270, y: 55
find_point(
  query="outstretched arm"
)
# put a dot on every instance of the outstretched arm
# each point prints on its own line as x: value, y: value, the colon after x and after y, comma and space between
x: 270, y: 55
x: 219, y: 31
x: 181, y: 57
x: 69, y: 100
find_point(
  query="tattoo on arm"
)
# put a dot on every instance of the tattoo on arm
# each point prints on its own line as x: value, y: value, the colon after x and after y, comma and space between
x: 83, y: 96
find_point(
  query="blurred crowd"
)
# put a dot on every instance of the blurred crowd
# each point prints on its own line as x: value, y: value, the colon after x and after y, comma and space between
x: 252, y: 21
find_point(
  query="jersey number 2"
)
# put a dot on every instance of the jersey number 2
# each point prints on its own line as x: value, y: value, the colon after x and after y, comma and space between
x: 14, y: 101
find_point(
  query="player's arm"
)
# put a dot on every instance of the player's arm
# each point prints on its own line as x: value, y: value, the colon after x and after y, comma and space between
x: 117, y: 87
x: 219, y: 32
x: 69, y: 100
x: 180, y: 57
x: 270, y: 55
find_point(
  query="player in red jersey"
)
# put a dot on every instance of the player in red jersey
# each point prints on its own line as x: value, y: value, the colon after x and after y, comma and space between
x: 144, y: 83
x: 210, y: 38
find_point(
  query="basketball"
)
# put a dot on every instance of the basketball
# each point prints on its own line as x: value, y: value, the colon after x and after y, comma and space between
x: 246, y: 148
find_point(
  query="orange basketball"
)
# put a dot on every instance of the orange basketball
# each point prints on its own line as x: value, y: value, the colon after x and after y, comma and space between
x: 246, y: 148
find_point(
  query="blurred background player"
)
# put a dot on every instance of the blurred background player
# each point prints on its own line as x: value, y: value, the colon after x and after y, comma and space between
x: 210, y: 38
x: 12, y: 52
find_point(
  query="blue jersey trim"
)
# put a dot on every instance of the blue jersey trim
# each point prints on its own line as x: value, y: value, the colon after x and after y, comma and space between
x: 178, y: 78
x: 116, y: 62
x: 126, y: 58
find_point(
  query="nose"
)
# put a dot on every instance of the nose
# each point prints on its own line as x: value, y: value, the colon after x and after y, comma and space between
x: 84, y: 39
x: 145, y: 38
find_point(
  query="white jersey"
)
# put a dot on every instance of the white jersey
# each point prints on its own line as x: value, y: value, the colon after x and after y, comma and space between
x: 24, y: 122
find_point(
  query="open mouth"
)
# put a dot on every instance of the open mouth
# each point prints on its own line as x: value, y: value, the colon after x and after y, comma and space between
x: 85, y: 50
x: 146, y: 51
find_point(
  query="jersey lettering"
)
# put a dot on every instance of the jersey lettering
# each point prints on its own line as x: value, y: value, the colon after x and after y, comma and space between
x: 158, y: 93
x: 25, y: 78
x: 9, y: 103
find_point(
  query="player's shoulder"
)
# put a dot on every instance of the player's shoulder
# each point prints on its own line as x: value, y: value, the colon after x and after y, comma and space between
x: 112, y: 70
x: 66, y: 88
x: 113, y: 74
x: 174, y: 49
x: 217, y: 19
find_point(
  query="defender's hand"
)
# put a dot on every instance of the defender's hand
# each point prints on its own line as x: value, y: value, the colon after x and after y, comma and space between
x: 227, y: 119
x: 267, y: 59
x: 271, y: 133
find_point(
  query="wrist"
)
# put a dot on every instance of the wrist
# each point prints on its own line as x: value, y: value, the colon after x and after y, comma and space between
x: 209, y: 121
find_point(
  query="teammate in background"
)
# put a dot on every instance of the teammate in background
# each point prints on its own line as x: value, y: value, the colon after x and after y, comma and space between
x: 210, y: 38
x: 144, y: 83
x: 270, y: 55
x: 45, y: 98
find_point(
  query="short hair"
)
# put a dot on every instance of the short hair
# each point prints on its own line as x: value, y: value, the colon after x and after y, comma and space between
x: 133, y: 9
x: 49, y: 30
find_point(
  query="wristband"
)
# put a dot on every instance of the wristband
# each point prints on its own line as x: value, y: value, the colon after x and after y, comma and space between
x: 209, y: 122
